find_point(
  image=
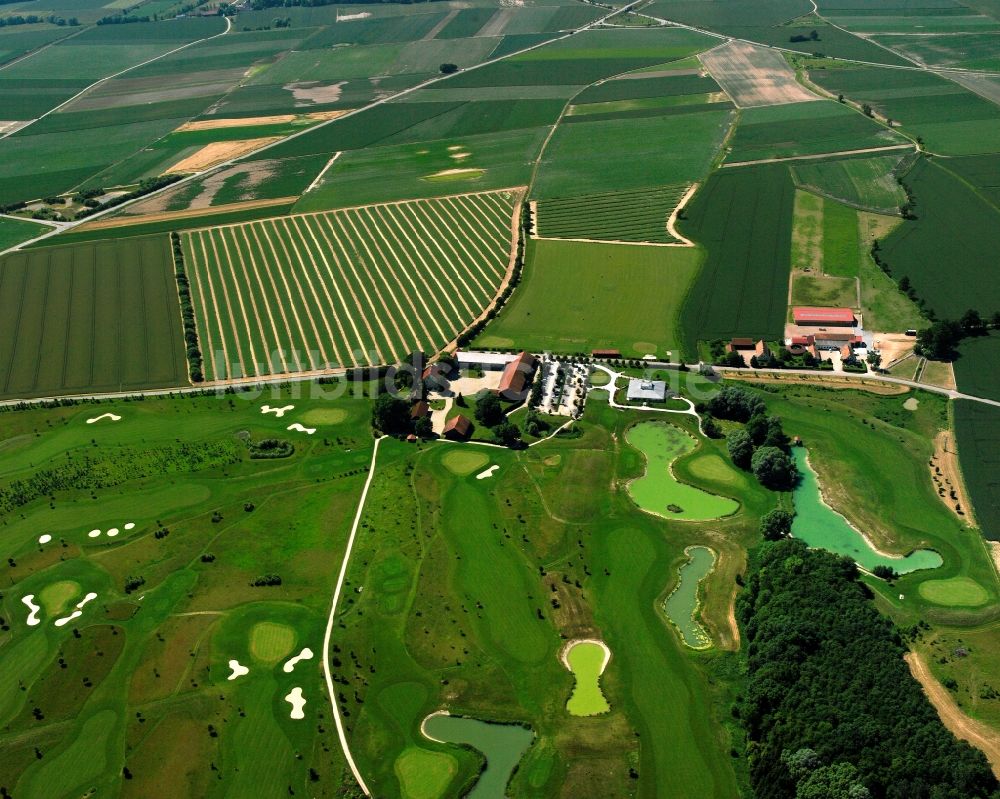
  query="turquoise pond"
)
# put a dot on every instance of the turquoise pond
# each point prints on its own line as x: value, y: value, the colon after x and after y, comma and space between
x: 503, y: 746
x: 820, y: 526
x: 682, y: 604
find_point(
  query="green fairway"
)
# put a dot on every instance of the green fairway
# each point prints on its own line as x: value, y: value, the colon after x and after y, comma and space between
x: 658, y: 491
x: 564, y: 302
x: 423, y: 774
x: 820, y: 526
x: 682, y: 605
x: 587, y: 661
x: 956, y: 591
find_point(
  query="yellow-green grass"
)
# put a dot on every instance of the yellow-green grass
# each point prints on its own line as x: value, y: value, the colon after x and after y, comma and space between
x: 270, y: 642
x: 599, y: 378
x: 56, y: 597
x: 714, y: 468
x: 962, y: 591
x: 423, y: 774
x: 586, y: 661
x: 463, y: 461
x: 824, y: 291
x: 322, y: 416
x: 578, y: 297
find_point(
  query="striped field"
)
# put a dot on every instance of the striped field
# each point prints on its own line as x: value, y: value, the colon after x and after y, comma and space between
x: 353, y: 287
x: 639, y: 215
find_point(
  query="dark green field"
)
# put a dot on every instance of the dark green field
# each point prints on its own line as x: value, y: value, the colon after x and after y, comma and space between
x: 638, y: 215
x: 743, y: 217
x: 90, y: 317
x: 977, y: 428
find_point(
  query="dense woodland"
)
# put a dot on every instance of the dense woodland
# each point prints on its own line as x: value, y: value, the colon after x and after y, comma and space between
x: 831, y: 709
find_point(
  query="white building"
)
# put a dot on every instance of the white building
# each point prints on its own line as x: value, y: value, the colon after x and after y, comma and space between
x: 640, y: 390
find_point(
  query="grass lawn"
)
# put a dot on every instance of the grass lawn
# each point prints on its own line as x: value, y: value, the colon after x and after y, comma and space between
x: 578, y: 297
x: 14, y: 231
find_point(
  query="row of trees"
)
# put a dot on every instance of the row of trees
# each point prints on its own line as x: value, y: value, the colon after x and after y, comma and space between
x: 35, y: 19
x: 940, y: 341
x: 195, y: 364
x: 830, y: 708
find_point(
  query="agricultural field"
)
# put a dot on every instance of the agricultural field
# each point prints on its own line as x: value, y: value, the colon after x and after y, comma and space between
x: 975, y: 369
x: 918, y: 248
x: 964, y: 50
x: 977, y: 430
x: 742, y: 288
x: 639, y: 216
x: 90, y: 317
x: 16, y: 231
x: 948, y: 119
x: 754, y: 76
x: 355, y: 287
x: 867, y: 183
x: 813, y: 128
x: 564, y: 292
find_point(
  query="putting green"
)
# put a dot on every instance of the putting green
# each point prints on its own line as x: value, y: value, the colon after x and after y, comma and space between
x: 710, y: 466
x: 318, y: 416
x: 599, y: 378
x: 586, y: 660
x: 56, y: 597
x: 462, y: 461
x: 955, y: 591
x: 270, y: 642
x: 657, y: 491
x: 682, y: 604
x: 423, y: 774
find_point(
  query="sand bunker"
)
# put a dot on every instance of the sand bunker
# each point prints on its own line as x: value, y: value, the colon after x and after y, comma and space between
x: 237, y: 670
x: 113, y: 417
x: 305, y: 654
x: 130, y: 525
x: 301, y: 429
x: 76, y: 613
x: 29, y: 600
x: 279, y: 412
x: 349, y: 17
x: 911, y: 403
x: 94, y: 533
x: 44, y: 539
x: 215, y: 153
x: 488, y: 472
x: 112, y: 532
x: 297, y: 702
x: 464, y: 173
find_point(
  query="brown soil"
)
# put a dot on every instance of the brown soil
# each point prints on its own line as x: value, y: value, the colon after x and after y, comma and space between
x: 219, y: 151
x: 960, y: 725
x: 243, y: 122
x: 184, y: 214
x: 947, y: 476
x: 871, y: 387
x: 314, y: 91
x: 893, y: 346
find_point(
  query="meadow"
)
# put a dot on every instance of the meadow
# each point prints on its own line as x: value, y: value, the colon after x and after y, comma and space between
x: 743, y: 219
x: 578, y: 297
x: 347, y: 288
x: 133, y: 697
x: 866, y: 183
x: 118, y: 319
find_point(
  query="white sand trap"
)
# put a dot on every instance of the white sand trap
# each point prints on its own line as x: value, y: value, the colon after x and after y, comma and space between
x: 487, y: 472
x: 279, y: 412
x: 112, y: 532
x: 911, y: 404
x: 44, y: 539
x: 94, y: 533
x: 301, y: 429
x: 297, y: 702
x: 349, y: 17
x: 29, y: 600
x: 76, y: 613
x: 130, y: 525
x: 305, y: 654
x: 238, y: 670
x: 113, y: 417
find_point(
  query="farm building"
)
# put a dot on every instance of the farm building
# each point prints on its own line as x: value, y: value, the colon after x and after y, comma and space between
x: 484, y: 360
x: 606, y: 354
x: 419, y: 410
x: 799, y: 345
x: 646, y: 390
x: 516, y: 377
x: 835, y: 340
x: 458, y: 428
x: 748, y: 345
x: 837, y: 317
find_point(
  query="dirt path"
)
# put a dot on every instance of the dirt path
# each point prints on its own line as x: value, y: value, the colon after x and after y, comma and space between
x: 975, y: 732
x: 837, y: 154
x: 950, y: 479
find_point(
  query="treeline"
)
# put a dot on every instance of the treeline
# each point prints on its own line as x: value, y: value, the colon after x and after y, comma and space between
x: 34, y: 19
x: 88, y: 472
x: 259, y: 5
x: 194, y: 359
x: 831, y: 710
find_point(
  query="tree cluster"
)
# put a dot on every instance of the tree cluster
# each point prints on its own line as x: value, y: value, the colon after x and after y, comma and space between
x: 269, y: 448
x: 194, y: 359
x: 35, y: 19
x: 940, y: 341
x: 830, y: 708
x: 489, y: 413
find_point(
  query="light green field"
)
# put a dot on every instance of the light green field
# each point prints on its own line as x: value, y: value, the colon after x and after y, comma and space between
x: 55, y: 598
x: 14, y: 231
x: 586, y: 661
x: 565, y: 304
x: 463, y: 461
x: 866, y: 182
x: 658, y: 491
x: 956, y: 591
x: 423, y: 774
x: 270, y: 642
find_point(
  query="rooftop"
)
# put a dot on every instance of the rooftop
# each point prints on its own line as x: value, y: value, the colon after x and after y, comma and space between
x: 639, y: 389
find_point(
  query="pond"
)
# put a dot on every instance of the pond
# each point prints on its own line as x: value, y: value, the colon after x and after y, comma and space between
x: 503, y: 746
x: 587, y: 660
x: 820, y: 526
x: 682, y: 604
x: 658, y: 491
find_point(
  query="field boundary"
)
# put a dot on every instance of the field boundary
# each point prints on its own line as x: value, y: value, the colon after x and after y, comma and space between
x: 185, y: 213
x: 818, y: 156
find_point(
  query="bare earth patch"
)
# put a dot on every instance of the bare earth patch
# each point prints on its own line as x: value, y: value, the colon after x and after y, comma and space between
x: 220, y: 151
x: 754, y: 75
x: 961, y: 726
x: 314, y: 91
x: 12, y: 126
x: 947, y: 476
x: 187, y: 212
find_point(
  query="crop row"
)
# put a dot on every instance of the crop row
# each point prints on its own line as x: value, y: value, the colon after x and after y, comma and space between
x: 639, y: 215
